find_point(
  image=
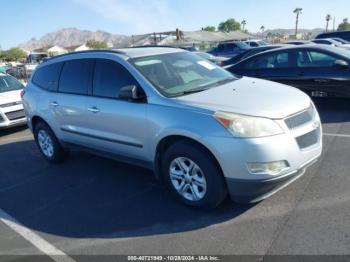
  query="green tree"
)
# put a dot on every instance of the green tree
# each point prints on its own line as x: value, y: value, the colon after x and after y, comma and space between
x: 229, y: 25
x: 243, y: 23
x: 94, y: 44
x: 344, y: 26
x: 209, y: 28
x: 13, y: 54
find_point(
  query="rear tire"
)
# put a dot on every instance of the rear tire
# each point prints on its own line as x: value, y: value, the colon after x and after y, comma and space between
x: 48, y: 143
x: 193, y: 176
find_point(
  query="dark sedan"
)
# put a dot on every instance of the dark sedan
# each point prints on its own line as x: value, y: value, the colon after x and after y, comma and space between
x: 229, y: 49
x: 249, y: 53
x: 320, y: 71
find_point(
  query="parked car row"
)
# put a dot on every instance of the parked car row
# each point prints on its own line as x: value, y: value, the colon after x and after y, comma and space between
x: 319, y: 70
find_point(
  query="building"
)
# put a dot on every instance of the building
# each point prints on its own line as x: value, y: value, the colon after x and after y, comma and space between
x: 82, y: 48
x: 56, y: 50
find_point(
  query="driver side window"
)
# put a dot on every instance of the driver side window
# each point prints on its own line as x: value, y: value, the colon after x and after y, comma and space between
x: 314, y: 59
x: 275, y: 60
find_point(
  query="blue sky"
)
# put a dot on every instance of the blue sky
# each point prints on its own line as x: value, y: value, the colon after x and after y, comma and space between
x: 24, y: 19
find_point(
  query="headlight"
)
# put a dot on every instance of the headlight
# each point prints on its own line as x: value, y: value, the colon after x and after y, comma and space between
x: 248, y: 126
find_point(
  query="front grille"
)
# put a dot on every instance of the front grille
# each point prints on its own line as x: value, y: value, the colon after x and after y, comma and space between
x: 301, y: 118
x: 11, y: 104
x: 308, y: 139
x: 14, y: 115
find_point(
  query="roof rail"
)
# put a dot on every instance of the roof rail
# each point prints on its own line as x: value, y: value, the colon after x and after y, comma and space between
x: 87, y: 51
x: 144, y: 46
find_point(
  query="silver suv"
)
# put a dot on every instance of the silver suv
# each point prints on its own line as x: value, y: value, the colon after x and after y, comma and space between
x: 203, y: 131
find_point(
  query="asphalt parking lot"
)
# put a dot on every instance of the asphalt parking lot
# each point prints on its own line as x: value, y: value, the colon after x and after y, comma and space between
x: 91, y: 205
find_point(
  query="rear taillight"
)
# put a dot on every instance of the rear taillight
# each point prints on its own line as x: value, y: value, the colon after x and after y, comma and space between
x: 22, y: 93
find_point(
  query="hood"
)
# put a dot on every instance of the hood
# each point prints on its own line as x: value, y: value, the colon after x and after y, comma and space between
x: 10, y: 96
x: 250, y: 96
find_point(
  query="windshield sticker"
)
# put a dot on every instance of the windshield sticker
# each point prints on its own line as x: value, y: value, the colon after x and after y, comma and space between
x: 206, y: 64
x: 148, y: 62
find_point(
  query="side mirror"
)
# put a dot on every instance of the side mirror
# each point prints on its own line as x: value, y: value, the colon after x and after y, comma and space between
x: 341, y: 63
x: 131, y: 93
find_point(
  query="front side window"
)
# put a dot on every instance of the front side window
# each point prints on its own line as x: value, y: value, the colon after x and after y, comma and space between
x: 8, y: 83
x: 179, y: 73
x: 76, y: 76
x: 47, y: 76
x: 109, y: 78
x: 274, y: 60
x: 314, y: 59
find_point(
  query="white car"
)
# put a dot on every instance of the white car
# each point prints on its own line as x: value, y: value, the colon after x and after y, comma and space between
x: 11, y: 108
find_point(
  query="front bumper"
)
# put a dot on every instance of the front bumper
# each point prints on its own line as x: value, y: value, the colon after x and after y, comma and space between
x: 248, y: 191
x: 5, y: 122
x: 300, y: 147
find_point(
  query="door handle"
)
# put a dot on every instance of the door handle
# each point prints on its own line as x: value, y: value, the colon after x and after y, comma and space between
x: 54, y: 103
x: 94, y: 109
x: 302, y: 73
x: 321, y: 80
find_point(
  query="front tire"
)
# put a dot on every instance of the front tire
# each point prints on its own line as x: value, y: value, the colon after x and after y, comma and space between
x: 48, y: 143
x: 193, y: 175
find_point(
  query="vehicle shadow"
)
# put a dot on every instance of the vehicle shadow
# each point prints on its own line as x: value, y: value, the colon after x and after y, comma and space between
x: 88, y: 196
x: 9, y: 131
x: 333, y: 110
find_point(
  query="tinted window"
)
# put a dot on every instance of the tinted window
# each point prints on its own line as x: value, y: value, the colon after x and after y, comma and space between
x: 314, y: 59
x: 109, y: 77
x: 274, y: 60
x: 76, y: 76
x: 47, y: 76
x: 230, y: 47
x: 322, y: 42
x: 254, y: 52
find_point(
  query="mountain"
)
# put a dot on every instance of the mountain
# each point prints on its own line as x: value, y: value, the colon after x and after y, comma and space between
x: 73, y: 37
x: 307, y: 32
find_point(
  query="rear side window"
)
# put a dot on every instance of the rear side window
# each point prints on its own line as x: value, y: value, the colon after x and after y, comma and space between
x: 76, y: 76
x: 314, y: 59
x: 47, y: 76
x: 109, y: 78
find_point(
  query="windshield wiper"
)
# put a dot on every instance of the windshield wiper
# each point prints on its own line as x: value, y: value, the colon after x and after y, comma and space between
x: 191, y: 91
x: 195, y: 90
x: 220, y: 82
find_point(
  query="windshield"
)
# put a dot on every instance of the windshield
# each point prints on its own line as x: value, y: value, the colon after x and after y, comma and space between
x: 340, y: 51
x: 341, y: 40
x: 181, y: 73
x: 36, y: 58
x: 262, y: 43
x: 8, y: 83
x: 242, y: 45
x: 204, y: 55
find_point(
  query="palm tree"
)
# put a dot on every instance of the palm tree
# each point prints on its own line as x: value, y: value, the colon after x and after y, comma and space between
x: 243, y: 23
x: 328, y: 18
x: 297, y: 11
x: 262, y: 28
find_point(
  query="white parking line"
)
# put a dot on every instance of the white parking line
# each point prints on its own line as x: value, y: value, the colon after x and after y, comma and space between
x: 34, y: 239
x: 15, y: 139
x: 336, y: 135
